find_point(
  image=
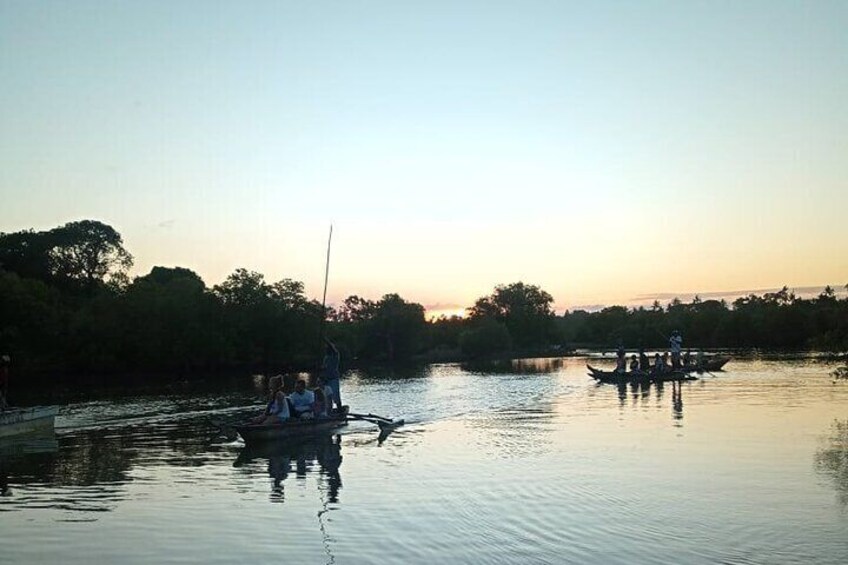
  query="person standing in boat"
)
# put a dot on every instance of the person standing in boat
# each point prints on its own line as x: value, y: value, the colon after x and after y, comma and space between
x: 5, y: 361
x: 330, y: 375
x: 675, y: 342
x: 634, y: 363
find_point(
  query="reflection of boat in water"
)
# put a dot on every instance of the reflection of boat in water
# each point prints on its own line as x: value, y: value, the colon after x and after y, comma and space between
x: 18, y: 421
x: 16, y: 450
x: 18, y: 446
x: 258, y: 434
x: 291, y: 448
x: 325, y: 450
x: 614, y: 377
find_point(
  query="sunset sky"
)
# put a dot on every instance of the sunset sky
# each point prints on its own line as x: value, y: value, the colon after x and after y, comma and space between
x: 603, y: 151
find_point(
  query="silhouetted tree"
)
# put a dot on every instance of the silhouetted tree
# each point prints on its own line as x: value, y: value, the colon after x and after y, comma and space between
x: 525, y: 310
x: 27, y: 253
x: 88, y: 252
x: 487, y: 337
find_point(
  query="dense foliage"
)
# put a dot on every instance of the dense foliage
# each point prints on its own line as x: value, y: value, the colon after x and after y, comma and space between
x: 66, y: 304
x: 777, y: 320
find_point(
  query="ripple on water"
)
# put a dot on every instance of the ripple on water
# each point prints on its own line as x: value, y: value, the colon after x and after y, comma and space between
x: 540, y: 466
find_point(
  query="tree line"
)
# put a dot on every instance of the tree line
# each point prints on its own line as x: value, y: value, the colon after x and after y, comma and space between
x: 68, y: 305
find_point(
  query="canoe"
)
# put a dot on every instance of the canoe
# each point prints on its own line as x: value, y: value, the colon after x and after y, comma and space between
x: 638, y: 376
x: 253, y: 434
x: 17, y: 421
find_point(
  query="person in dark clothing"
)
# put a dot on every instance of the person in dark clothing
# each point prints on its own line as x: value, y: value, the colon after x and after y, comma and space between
x: 644, y: 362
x: 330, y: 375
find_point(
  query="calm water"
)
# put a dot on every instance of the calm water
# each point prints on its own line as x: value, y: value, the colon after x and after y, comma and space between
x: 532, y: 463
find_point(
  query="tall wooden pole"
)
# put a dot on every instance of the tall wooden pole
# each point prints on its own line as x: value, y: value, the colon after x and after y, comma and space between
x: 324, y: 299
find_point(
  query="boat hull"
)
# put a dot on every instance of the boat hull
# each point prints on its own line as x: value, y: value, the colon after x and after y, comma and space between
x: 253, y: 434
x: 613, y: 377
x: 713, y: 364
x: 20, y: 421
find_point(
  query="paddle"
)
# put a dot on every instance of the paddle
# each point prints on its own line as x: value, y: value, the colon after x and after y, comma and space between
x: 372, y: 416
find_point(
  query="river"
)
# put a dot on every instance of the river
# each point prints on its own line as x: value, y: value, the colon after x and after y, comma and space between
x: 528, y: 462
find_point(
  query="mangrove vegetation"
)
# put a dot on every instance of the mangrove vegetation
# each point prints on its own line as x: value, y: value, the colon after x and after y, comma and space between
x: 67, y: 305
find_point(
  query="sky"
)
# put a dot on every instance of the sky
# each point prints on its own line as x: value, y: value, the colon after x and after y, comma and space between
x: 604, y: 151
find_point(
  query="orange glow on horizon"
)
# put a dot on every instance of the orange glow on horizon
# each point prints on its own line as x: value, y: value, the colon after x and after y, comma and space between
x: 431, y: 315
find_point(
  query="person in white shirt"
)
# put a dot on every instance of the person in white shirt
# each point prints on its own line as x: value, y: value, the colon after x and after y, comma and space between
x: 302, y: 400
x: 675, y: 342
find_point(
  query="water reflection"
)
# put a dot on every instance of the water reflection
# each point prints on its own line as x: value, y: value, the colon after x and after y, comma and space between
x: 300, y: 457
x: 677, y: 401
x: 639, y: 395
x: 90, y: 469
x: 492, y: 468
x: 15, y: 452
x: 377, y: 374
x: 831, y: 460
x: 539, y: 366
x: 635, y: 390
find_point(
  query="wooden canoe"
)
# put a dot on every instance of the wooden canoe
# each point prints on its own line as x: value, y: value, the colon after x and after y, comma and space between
x: 638, y: 376
x: 253, y: 434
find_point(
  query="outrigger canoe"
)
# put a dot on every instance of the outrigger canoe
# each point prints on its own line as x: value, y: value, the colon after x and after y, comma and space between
x: 615, y: 377
x: 16, y: 421
x: 253, y: 434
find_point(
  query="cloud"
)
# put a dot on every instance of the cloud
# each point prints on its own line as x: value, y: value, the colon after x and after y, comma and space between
x: 800, y: 292
x: 443, y: 306
x: 584, y: 307
x: 167, y: 224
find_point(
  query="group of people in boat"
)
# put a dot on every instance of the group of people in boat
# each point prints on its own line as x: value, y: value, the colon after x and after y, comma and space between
x: 661, y: 363
x: 321, y: 401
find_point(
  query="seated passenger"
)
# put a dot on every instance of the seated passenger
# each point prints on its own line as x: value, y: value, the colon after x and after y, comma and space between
x: 658, y: 364
x: 319, y: 408
x: 277, y: 410
x: 644, y: 363
x: 621, y: 360
x: 302, y: 400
